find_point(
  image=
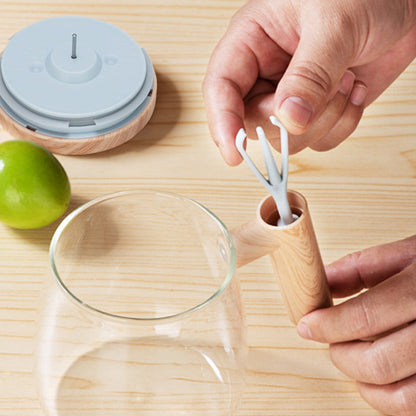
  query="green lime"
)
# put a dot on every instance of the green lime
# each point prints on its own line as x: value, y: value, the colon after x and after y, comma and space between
x: 34, y: 187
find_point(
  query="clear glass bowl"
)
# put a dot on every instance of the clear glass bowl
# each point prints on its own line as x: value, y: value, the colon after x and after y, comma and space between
x: 141, y: 314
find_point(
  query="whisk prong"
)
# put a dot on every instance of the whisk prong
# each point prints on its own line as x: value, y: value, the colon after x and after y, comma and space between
x: 272, y: 171
x: 276, y: 183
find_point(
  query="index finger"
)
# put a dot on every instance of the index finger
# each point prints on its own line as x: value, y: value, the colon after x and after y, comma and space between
x: 367, y: 268
x: 386, y: 306
x: 231, y: 73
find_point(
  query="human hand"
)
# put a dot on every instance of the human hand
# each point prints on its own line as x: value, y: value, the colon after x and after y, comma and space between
x: 384, y: 368
x: 315, y: 64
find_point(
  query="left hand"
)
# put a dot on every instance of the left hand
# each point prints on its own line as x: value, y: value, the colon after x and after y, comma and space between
x: 384, y: 367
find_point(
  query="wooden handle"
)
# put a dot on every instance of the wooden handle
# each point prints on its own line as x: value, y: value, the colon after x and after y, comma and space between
x: 252, y: 241
x: 294, y: 253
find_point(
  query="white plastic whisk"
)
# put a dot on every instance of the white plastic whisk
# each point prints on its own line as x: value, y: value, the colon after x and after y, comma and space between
x: 276, y: 183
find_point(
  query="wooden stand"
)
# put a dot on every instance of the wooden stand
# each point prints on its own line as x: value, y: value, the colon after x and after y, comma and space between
x: 294, y: 253
x: 87, y: 145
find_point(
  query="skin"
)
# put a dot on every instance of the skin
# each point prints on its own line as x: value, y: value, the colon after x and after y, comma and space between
x: 316, y: 65
x: 384, y: 366
x: 275, y: 49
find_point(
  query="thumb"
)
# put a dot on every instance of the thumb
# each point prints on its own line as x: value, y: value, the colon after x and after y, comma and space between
x: 314, y: 72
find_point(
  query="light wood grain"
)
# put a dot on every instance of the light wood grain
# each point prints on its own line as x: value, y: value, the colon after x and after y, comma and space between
x: 297, y: 260
x: 294, y: 253
x: 360, y: 194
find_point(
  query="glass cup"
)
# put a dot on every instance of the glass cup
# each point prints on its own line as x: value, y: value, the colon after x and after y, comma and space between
x: 142, y: 314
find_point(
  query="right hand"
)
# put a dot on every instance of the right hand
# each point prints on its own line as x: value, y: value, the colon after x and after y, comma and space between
x: 315, y: 64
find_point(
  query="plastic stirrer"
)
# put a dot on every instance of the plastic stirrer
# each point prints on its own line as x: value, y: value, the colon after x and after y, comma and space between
x: 276, y: 183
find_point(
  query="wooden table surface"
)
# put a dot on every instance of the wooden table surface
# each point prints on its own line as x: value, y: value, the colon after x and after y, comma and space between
x: 360, y: 194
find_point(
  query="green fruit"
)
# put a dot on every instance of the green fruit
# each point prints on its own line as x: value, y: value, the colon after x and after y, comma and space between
x: 34, y: 187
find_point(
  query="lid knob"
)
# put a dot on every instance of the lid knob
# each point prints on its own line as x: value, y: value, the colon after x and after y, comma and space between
x: 81, y: 66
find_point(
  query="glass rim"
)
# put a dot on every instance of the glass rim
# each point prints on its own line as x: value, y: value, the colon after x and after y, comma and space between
x: 95, y: 201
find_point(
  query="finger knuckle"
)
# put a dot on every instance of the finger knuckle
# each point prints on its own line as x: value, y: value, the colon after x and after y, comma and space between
x: 409, y: 250
x: 318, y: 78
x: 357, y: 259
x: 365, y: 320
x: 378, y: 366
x: 405, y: 401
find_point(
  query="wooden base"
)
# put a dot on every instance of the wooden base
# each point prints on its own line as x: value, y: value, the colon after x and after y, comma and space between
x: 88, y: 145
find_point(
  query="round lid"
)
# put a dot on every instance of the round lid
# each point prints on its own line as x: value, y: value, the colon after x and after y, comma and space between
x: 74, y: 77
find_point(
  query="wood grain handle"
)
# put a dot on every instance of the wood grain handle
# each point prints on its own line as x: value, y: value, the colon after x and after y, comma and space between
x: 294, y: 253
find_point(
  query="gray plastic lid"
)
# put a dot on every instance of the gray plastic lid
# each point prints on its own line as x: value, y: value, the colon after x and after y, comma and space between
x: 60, y: 88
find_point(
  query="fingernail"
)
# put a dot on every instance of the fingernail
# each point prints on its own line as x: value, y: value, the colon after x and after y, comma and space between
x: 358, y: 94
x: 303, y: 330
x: 295, y: 111
x: 347, y: 82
